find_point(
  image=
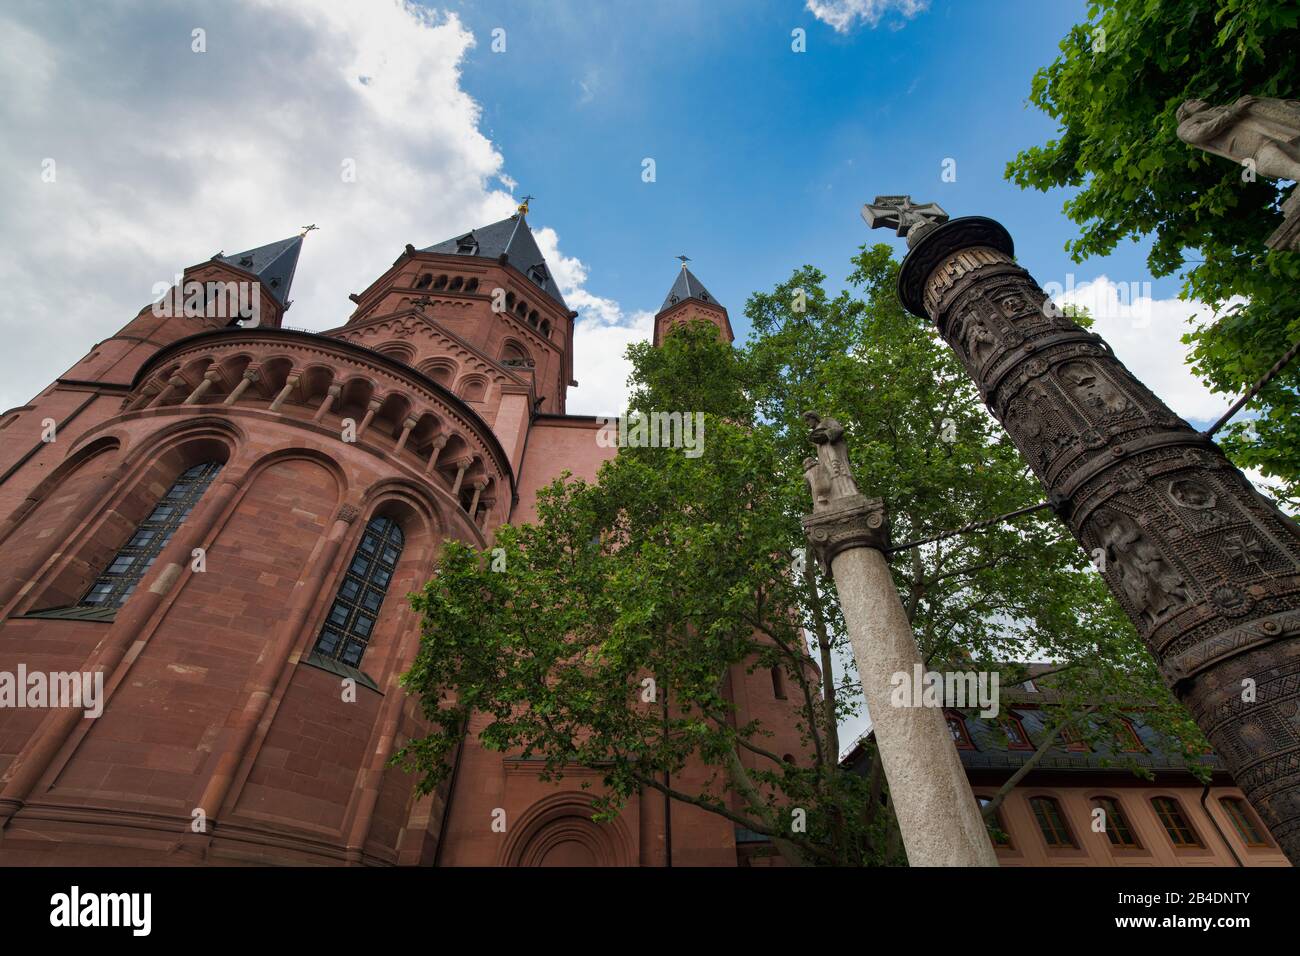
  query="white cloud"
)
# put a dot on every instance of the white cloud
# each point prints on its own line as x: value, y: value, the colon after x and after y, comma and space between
x: 165, y: 156
x: 841, y: 14
x: 602, y: 333
x: 1145, y: 334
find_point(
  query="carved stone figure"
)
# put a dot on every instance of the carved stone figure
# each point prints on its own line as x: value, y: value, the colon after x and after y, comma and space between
x: 1146, y: 577
x: 1263, y: 131
x: 978, y: 340
x: 831, y: 476
x: 1092, y: 390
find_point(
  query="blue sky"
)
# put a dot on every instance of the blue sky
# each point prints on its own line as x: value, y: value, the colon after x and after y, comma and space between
x: 763, y: 156
x: 167, y: 153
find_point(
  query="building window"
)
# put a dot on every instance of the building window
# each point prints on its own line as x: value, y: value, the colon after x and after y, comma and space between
x: 1050, y: 821
x: 1074, y: 740
x: 1129, y: 740
x: 1116, y: 824
x: 1017, y: 739
x: 351, y: 620
x: 778, y: 683
x: 997, y: 828
x: 118, y: 581
x: 957, y: 727
x: 1175, y: 823
x: 1243, y: 818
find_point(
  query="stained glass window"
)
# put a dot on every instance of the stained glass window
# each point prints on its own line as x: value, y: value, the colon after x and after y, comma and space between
x: 351, y: 619
x: 118, y: 581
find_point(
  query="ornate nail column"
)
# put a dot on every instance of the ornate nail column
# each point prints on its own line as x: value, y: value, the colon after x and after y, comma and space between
x: 937, y: 814
x: 1208, y: 570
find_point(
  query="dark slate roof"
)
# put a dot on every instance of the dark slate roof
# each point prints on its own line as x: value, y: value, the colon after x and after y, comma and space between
x: 273, y: 264
x: 512, y: 238
x: 993, y: 753
x: 687, y: 287
x: 992, y: 750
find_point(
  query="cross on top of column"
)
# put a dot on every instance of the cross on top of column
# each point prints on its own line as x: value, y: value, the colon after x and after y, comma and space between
x: 899, y: 212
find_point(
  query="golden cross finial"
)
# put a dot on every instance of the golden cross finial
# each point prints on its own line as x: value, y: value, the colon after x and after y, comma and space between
x: 523, y: 205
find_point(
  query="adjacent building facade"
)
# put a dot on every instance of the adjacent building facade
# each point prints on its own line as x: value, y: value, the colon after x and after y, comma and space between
x: 222, y: 516
x: 1081, y: 804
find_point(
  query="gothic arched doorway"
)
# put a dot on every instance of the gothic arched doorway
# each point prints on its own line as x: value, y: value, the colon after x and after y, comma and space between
x: 558, y: 831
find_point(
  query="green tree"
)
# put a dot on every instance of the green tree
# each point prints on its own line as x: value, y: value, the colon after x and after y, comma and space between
x: 679, y: 570
x: 919, y: 437
x: 1115, y: 90
x: 605, y: 635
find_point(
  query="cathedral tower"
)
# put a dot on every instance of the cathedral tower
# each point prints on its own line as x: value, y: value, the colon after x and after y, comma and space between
x: 688, y: 301
x: 222, y: 531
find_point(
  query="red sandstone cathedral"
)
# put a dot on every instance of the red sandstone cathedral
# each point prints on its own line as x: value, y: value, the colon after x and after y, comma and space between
x: 222, y: 517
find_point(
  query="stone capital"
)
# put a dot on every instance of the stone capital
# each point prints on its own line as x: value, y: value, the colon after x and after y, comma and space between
x: 855, y: 521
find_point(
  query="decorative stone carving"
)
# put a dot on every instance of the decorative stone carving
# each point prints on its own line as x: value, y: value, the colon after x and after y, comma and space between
x: 1257, y: 130
x: 1264, y: 130
x: 1207, y: 570
x: 842, y: 517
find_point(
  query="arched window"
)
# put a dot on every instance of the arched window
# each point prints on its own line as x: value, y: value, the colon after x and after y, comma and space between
x: 957, y: 727
x: 119, y: 579
x: 994, y: 823
x: 514, y: 354
x: 1243, y: 818
x: 1170, y: 812
x: 1017, y: 738
x: 778, y: 684
x: 473, y: 389
x: 351, y: 620
x: 1114, y: 823
x: 1056, y: 833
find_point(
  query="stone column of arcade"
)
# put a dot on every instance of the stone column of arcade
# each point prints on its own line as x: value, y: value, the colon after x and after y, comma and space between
x: 938, y: 817
x: 1206, y: 568
x: 272, y: 663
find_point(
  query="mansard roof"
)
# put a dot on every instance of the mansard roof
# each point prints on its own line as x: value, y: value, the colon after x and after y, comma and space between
x: 273, y: 264
x: 687, y: 287
x: 511, y: 238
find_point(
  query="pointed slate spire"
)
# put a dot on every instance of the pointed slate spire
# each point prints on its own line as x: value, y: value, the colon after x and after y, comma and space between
x: 273, y: 264
x: 510, y: 237
x: 687, y: 287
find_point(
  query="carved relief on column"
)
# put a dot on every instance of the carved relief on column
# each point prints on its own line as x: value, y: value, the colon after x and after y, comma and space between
x: 1208, y: 571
